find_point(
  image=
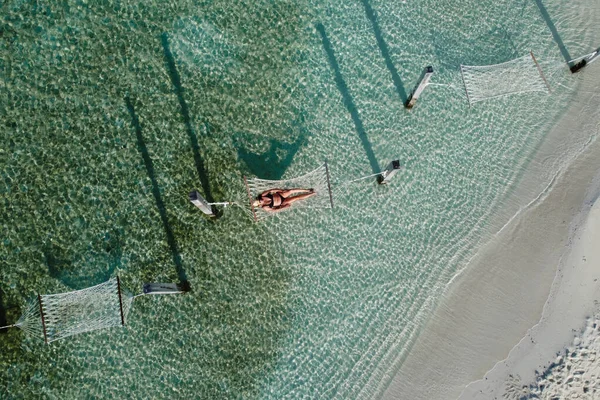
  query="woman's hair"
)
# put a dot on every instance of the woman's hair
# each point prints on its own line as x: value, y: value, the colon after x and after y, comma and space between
x: 256, y: 203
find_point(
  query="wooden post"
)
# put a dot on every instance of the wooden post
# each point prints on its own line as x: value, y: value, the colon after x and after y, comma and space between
x: 420, y: 87
x: 391, y: 170
x: 162, y: 288
x: 579, y: 66
x: 585, y: 61
x: 120, y: 300
x: 43, y: 319
x: 202, y: 204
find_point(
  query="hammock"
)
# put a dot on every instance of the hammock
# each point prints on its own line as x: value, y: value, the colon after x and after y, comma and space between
x: 56, y: 316
x: 516, y: 76
x: 318, y: 180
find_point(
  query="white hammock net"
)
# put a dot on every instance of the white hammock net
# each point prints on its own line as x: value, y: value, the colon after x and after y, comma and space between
x: 318, y: 180
x: 520, y: 75
x: 71, y: 313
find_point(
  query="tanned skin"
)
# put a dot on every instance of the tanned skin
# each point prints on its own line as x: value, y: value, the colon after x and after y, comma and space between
x: 275, y: 200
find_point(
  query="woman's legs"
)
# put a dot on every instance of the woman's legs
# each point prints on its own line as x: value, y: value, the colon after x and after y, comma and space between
x: 290, y: 200
x: 290, y: 192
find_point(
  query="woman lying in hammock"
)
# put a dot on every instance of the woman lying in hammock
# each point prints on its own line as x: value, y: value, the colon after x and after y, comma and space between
x: 275, y: 200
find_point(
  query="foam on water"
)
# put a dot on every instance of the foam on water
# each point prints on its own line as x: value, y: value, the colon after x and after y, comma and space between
x: 111, y: 114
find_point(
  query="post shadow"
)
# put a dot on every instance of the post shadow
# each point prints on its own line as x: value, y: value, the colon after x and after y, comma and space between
x: 8, y: 34
x: 162, y: 210
x: 62, y: 267
x: 185, y: 112
x: 348, y: 102
x: 268, y: 165
x: 65, y: 271
x: 386, y: 53
x: 555, y: 35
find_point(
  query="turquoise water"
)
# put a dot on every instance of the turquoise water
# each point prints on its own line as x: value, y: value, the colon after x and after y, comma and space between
x: 113, y: 111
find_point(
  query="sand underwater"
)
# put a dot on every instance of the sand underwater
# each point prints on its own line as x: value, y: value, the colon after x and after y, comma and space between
x: 112, y: 113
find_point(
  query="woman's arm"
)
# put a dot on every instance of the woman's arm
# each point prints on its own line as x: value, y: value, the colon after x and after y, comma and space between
x: 270, y: 191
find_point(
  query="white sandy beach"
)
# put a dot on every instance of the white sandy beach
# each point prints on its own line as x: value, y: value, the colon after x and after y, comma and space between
x: 569, y: 327
x: 574, y: 375
x: 527, y: 293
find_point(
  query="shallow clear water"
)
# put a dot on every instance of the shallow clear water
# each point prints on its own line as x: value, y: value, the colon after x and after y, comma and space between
x: 111, y: 113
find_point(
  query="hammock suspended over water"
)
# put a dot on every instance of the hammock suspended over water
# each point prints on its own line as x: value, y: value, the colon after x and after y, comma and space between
x: 56, y: 316
x: 53, y: 317
x: 318, y: 180
x: 520, y: 75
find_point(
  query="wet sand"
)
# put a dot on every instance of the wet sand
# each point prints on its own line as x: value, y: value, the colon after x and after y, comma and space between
x: 557, y: 357
x: 500, y: 296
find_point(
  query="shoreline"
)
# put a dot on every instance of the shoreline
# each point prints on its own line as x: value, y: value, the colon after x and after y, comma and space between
x: 574, y: 301
x: 495, y: 301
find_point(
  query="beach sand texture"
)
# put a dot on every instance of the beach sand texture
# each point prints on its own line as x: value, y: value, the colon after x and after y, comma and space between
x: 574, y: 375
x: 500, y: 296
x: 115, y: 112
x: 557, y: 357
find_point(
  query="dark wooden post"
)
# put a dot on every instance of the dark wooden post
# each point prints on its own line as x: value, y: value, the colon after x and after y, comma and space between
x: 585, y: 61
x: 162, y: 288
x: 420, y: 87
x: 202, y: 204
x: 391, y: 170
